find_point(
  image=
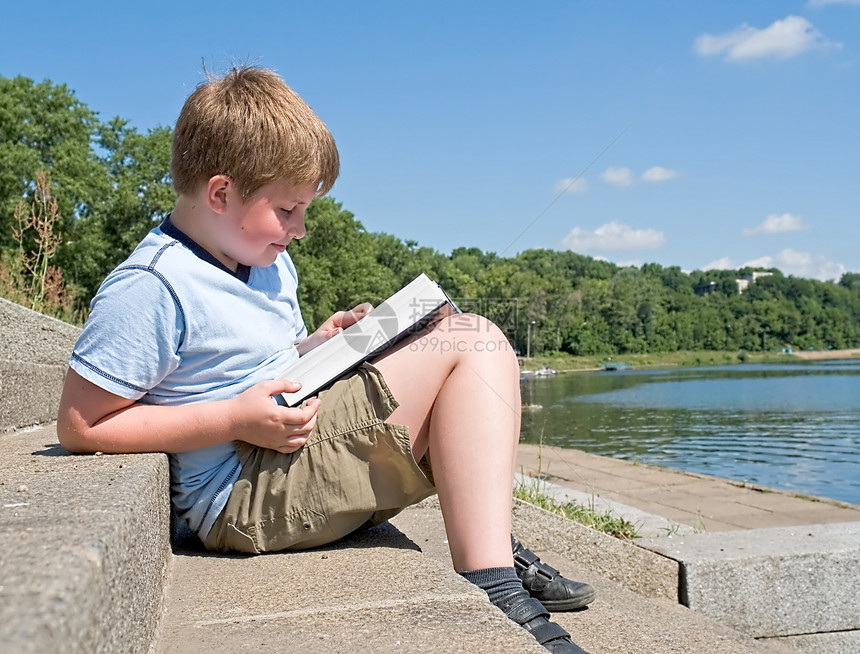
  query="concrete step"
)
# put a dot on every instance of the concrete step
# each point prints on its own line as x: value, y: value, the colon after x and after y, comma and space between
x: 374, y: 592
x: 85, y: 559
x: 84, y: 545
x: 777, y: 582
x: 33, y: 363
x: 619, y: 620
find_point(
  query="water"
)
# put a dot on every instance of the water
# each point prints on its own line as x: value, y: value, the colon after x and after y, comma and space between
x: 795, y: 426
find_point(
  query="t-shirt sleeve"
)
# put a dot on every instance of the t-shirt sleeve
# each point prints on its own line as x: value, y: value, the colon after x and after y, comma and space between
x: 132, y: 337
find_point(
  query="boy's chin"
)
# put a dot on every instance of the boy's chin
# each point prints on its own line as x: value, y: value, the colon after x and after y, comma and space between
x: 267, y: 260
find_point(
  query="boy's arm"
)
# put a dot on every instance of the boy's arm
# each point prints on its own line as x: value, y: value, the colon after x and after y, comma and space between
x: 92, y: 419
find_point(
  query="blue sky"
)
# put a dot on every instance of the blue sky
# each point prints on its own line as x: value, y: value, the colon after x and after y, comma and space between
x: 698, y: 134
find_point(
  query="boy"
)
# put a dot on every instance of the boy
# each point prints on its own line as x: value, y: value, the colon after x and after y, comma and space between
x: 187, y: 337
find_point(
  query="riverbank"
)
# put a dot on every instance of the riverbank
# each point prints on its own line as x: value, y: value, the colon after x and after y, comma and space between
x: 561, y: 362
x: 828, y: 354
x: 701, y: 502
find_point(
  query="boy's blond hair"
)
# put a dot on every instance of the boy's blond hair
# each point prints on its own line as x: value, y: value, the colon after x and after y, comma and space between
x: 252, y: 127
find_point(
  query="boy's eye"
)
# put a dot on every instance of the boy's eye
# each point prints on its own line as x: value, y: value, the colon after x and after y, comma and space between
x: 287, y: 212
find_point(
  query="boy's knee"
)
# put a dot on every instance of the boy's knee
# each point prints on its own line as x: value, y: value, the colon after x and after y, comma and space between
x: 475, y: 333
x: 467, y: 324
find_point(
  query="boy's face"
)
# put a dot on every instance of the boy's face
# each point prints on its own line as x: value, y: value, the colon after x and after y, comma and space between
x: 255, y: 232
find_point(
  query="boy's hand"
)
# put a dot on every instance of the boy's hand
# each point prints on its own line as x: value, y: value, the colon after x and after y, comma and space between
x: 333, y: 326
x: 260, y: 421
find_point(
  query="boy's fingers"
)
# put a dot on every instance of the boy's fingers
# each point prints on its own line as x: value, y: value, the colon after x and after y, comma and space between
x: 302, y: 416
x: 296, y: 441
x: 292, y: 444
x: 356, y: 313
x: 281, y: 386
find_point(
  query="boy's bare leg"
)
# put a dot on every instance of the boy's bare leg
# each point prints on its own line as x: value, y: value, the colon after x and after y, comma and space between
x: 459, y: 394
x: 458, y: 389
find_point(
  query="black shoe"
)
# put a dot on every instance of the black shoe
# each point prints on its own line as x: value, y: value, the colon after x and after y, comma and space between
x: 545, y: 583
x: 534, y: 618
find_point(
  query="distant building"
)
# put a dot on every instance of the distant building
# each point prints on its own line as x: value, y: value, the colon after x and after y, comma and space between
x: 744, y: 281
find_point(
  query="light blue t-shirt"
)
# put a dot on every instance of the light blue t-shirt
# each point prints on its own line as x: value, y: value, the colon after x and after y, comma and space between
x: 172, y: 326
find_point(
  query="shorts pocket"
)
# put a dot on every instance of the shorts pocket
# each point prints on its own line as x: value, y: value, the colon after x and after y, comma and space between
x: 300, y: 529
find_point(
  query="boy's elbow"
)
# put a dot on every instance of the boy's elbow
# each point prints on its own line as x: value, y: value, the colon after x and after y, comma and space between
x: 71, y: 438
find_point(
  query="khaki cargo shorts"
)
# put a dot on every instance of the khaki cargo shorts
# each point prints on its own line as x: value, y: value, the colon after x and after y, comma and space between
x: 354, y: 470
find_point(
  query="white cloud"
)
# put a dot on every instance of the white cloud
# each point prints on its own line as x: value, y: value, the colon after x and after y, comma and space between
x: 659, y: 174
x: 632, y: 263
x: 801, y: 264
x: 613, y: 236
x: 617, y: 176
x: 821, y: 3
x: 782, y: 39
x: 571, y: 185
x: 777, y: 223
x: 723, y: 263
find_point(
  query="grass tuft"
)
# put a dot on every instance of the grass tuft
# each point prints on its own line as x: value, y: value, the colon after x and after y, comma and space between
x: 532, y: 492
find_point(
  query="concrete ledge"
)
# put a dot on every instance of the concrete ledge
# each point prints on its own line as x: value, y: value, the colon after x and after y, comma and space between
x: 373, y: 592
x: 31, y: 393
x: 840, y: 642
x: 32, y: 366
x: 648, y: 525
x: 782, y: 581
x: 619, y: 621
x: 641, y: 570
x: 84, y: 547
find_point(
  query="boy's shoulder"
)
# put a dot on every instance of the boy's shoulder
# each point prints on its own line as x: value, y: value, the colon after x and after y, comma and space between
x: 181, y: 264
x: 149, y: 251
x: 162, y: 255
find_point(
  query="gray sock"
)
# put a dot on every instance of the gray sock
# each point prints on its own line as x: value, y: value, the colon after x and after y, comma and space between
x: 499, y: 584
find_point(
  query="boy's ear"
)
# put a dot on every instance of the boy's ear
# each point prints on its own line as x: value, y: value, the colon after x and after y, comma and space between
x: 219, y: 192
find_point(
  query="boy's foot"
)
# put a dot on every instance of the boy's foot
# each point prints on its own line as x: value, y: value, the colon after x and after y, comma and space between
x: 534, y: 618
x: 546, y: 584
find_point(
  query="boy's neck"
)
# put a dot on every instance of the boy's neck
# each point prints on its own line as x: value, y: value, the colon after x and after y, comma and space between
x: 192, y: 217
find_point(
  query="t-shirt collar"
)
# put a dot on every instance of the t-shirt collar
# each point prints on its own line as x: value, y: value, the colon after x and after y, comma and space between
x: 242, y: 273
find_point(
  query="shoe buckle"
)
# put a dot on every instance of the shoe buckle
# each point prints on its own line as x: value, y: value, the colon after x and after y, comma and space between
x: 524, y: 559
x: 545, y: 571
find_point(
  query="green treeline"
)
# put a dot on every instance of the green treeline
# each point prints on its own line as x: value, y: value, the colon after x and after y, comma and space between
x: 105, y: 185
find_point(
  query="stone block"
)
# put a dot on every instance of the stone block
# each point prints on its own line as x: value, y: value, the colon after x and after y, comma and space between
x: 841, y: 642
x: 84, y: 548
x: 640, y: 570
x: 781, y: 581
x: 33, y: 363
x: 30, y: 393
x: 374, y: 591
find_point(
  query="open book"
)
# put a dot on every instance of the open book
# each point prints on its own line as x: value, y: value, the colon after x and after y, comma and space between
x: 411, y: 308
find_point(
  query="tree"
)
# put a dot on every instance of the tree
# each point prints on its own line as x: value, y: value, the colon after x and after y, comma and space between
x: 138, y: 196
x: 111, y: 184
x: 337, y: 263
x: 44, y: 127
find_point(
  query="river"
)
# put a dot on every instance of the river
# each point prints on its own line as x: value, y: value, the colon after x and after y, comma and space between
x: 793, y: 426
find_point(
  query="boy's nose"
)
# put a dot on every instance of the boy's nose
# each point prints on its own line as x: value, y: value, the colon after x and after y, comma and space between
x: 297, y: 229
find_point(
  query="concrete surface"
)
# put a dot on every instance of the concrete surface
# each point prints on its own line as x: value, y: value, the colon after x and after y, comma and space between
x: 698, y: 501
x: 619, y: 621
x: 840, y: 642
x: 373, y: 592
x: 84, y: 544
x: 83, y: 552
x: 648, y: 525
x: 784, y: 581
x: 32, y: 365
x: 717, y: 508
x: 640, y: 570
